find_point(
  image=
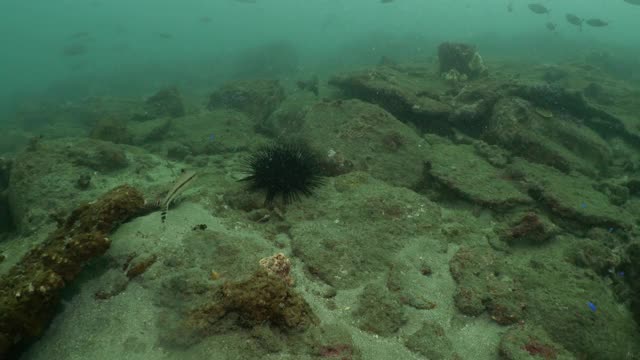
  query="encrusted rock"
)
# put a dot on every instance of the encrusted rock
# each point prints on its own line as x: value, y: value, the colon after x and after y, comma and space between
x: 407, y: 97
x: 257, y: 98
x: 379, y: 312
x: 165, y: 103
x: 31, y: 290
x: 462, y: 59
x: 532, y: 228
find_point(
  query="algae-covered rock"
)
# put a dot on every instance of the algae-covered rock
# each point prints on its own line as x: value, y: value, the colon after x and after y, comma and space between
x: 261, y: 298
x: 111, y: 130
x: 577, y: 310
x: 482, y: 285
x: 573, y: 198
x: 44, y: 177
x: 379, y: 312
x: 530, y: 229
x: 266, y: 298
x: 432, y: 342
x: 31, y: 290
x: 541, y: 136
x: 256, y: 98
x: 530, y: 342
x: 461, y: 58
x: 342, y: 250
x: 368, y: 137
x: 459, y: 170
x: 164, y: 103
x: 333, y: 341
x: 401, y: 93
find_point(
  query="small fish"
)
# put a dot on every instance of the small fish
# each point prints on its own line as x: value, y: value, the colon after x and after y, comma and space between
x: 164, y: 35
x: 205, y: 19
x: 386, y: 1
x: 574, y: 20
x: 510, y: 6
x: 551, y: 26
x: 185, y: 179
x: 597, y: 23
x: 632, y: 2
x: 246, y: 1
x: 539, y: 8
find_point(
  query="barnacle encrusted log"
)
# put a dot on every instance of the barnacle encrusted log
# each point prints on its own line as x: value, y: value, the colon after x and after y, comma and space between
x: 30, y: 291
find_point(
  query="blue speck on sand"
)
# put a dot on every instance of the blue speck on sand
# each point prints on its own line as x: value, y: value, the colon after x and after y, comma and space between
x: 592, y: 306
x: 212, y: 137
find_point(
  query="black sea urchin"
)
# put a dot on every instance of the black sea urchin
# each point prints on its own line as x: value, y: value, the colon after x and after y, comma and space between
x: 287, y: 169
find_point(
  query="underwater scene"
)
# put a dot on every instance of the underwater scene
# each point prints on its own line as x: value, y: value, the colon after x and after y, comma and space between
x: 320, y: 179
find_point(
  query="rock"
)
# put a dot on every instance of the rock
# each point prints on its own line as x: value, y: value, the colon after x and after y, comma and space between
x: 111, y: 130
x: 259, y: 299
x: 150, y: 131
x: 461, y: 59
x: 529, y: 342
x: 220, y: 131
x: 395, y: 214
x: 378, y: 312
x: 404, y: 95
x: 483, y: 287
x: 367, y: 138
x: 105, y: 157
x: 5, y: 172
x: 30, y: 292
x: 256, y: 98
x: 165, y: 103
x: 532, y: 229
x: 333, y: 342
x: 573, y: 200
x: 457, y: 170
x: 432, y: 342
x: 288, y: 119
x: 43, y: 180
x: 473, y: 106
x: 540, y: 136
x: 632, y: 267
x: 6, y: 221
x: 597, y: 93
x: 552, y: 74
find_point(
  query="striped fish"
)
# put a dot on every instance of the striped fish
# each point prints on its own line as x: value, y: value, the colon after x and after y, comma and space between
x: 183, y: 181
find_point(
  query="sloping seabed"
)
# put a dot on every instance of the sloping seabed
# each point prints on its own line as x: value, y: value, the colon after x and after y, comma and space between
x: 482, y: 211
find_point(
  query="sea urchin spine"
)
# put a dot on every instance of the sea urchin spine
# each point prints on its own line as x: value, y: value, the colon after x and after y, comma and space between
x: 285, y: 169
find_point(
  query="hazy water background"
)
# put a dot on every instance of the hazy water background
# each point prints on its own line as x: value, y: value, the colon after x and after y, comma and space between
x: 127, y: 55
